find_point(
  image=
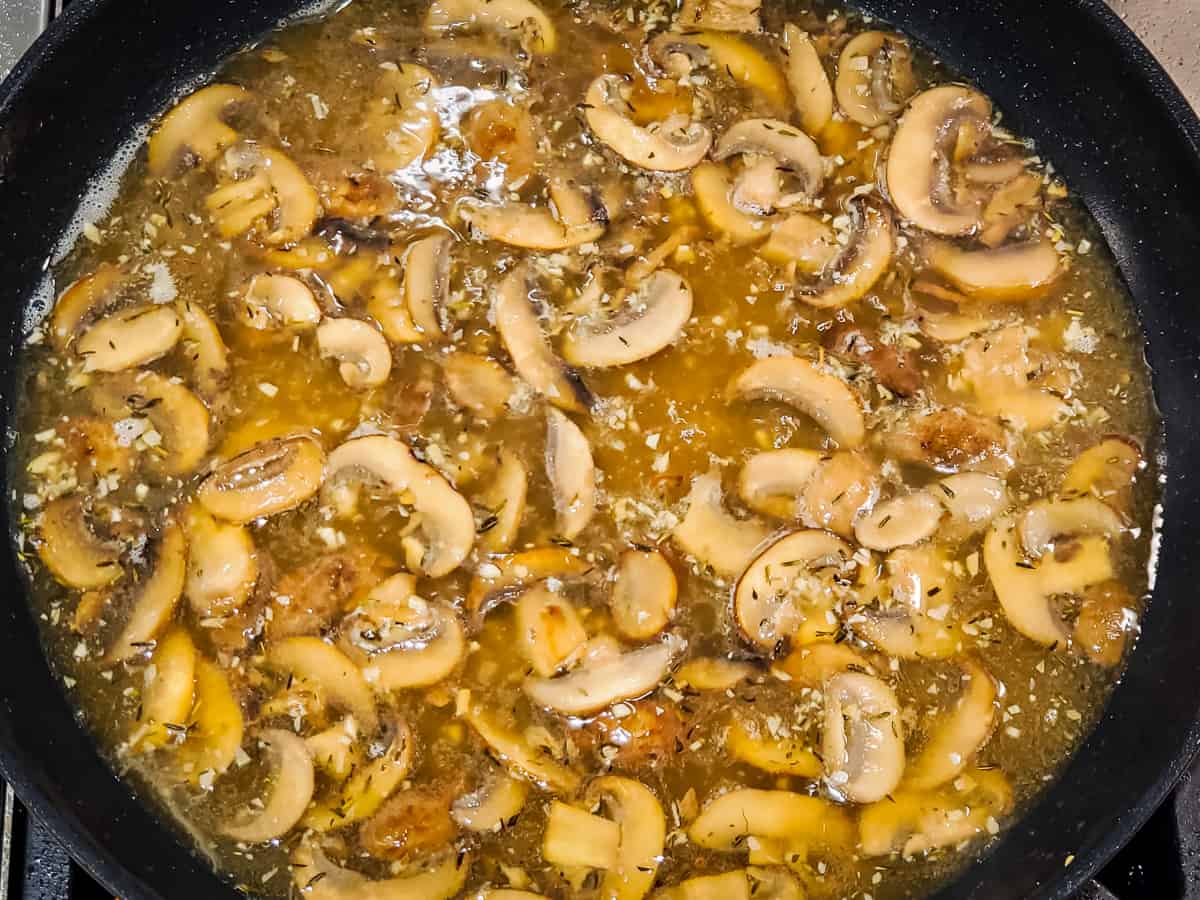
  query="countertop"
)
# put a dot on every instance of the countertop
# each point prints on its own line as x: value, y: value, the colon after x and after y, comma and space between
x: 1171, y: 29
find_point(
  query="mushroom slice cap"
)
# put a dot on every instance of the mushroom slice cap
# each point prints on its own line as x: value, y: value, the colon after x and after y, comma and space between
x: 731, y: 818
x: 802, y: 239
x: 650, y: 319
x: 595, y: 685
x: 157, y: 596
x: 492, y: 806
x: 972, y: 499
x: 572, y: 473
x: 643, y: 595
x: 779, y: 756
x: 427, y: 283
x: 175, y: 412
x: 863, y: 738
x: 298, y: 203
x: 70, y: 549
x: 532, y: 227
x: 709, y: 533
x: 204, y: 348
x: 370, y: 785
x: 274, y: 301
x: 503, y: 576
x: 846, y: 484
x: 292, y: 791
x: 169, y: 696
x: 549, y: 630
x: 574, y: 838
x: 812, y: 665
x: 1074, y: 517
x: 447, y: 520
x: 403, y: 117
x: 330, y: 671
x: 496, y: 15
x: 667, y: 146
x: 712, y: 673
x: 81, y: 300
x: 269, y: 478
x: 863, y: 93
x: 387, y: 306
x: 770, y: 595
x: 364, y: 358
x: 792, y: 149
x: 898, y: 522
x: 517, y: 754
x: 316, y: 878
x: 478, y: 384
x: 732, y: 56
x: 519, y: 328
x: 773, y: 482
x: 907, y: 634
x: 222, y: 564
x: 1012, y: 273
x: 643, y: 833
x: 824, y: 397
x: 1106, y: 470
x: 214, y: 733
x: 958, y: 734
x: 129, y: 338
x: 918, y: 163
x: 194, y: 126
x: 505, y: 499
x: 853, y: 272
x: 808, y: 80
x: 714, y: 195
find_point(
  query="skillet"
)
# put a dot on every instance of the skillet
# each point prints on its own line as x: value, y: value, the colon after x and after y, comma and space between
x: 1066, y: 72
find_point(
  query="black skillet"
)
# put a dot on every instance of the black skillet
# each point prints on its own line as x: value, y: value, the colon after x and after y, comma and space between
x: 1066, y: 72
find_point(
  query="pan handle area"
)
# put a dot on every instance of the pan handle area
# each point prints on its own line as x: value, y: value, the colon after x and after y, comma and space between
x: 21, y: 21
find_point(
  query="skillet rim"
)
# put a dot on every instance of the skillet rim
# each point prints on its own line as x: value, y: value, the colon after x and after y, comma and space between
x: 103, y: 864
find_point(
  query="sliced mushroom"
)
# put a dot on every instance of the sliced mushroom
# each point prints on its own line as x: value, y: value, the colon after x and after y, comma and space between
x: 517, y: 321
x: 504, y: 498
x: 269, y: 478
x: 445, y: 516
x: 972, y: 499
x: 575, y: 838
x: 726, y: 822
x: 478, y: 384
x: 905, y: 633
x: 402, y: 119
x: 275, y: 187
x: 71, y: 549
x: 291, y: 791
x: 332, y: 749
x: 179, y: 417
x: 594, y: 685
x: 802, y: 240
x: 649, y: 320
x: 951, y: 440
x: 863, y: 743
x: 279, y: 301
x: 643, y: 594
x: 493, y: 806
x: 792, y: 150
x: 1012, y: 273
x: 874, y: 78
x: 776, y: 755
x: 1024, y: 589
x: 956, y: 735
x: 712, y: 673
x: 678, y: 52
x: 1106, y: 470
x: 572, y: 473
x: 853, y: 272
x: 813, y: 665
x: 362, y: 795
x: 799, y: 383
x: 642, y: 835
x: 130, y: 338
x: 672, y: 145
x: 920, y: 167
x: 327, y: 670
x: 222, y: 565
x: 1046, y: 520
x: 845, y: 485
x: 316, y: 878
x: 204, y: 348
x: 1107, y: 619
x: 808, y: 81
x: 214, y: 732
x: 502, y: 577
x: 907, y: 519
x: 495, y: 15
x: 1022, y: 386
x: 83, y: 299
x: 555, y: 227
x: 774, y: 482
x: 386, y: 304
x: 787, y: 588
x: 364, y: 358
x: 427, y: 283
x: 168, y: 696
x: 517, y: 754
x: 713, y: 188
x: 195, y: 129
x: 549, y: 630
x: 156, y: 596
x: 709, y: 533
x: 504, y: 132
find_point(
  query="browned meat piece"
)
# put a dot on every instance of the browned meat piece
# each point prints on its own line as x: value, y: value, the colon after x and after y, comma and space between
x: 650, y: 736
x: 410, y: 823
x: 1105, y: 619
x: 951, y: 440
x: 307, y: 600
x: 896, y: 369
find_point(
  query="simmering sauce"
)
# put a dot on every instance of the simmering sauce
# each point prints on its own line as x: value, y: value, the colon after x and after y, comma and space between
x: 588, y: 450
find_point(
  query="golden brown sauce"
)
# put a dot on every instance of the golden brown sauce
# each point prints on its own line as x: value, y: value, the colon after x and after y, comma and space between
x: 622, y: 610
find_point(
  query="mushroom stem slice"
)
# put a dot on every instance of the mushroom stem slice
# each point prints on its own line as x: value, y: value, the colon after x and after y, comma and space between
x: 806, y: 76
x: 957, y: 735
x: 713, y: 536
x: 269, y: 478
x: 825, y: 398
x: 427, y: 283
x: 642, y: 835
x: 572, y: 473
x: 364, y: 358
x: 857, y: 269
x: 576, y: 838
x: 446, y: 518
x: 793, y: 150
x: 130, y: 338
x: 898, y: 522
x: 81, y: 301
x: 1012, y: 273
x: 517, y: 322
x: 316, y: 878
x: 329, y: 671
x: 71, y: 550
x: 549, y: 630
x: 292, y: 791
x: 598, y: 684
x: 919, y: 166
x: 781, y: 588
x: 504, y: 499
x: 863, y: 738
x: 672, y: 145
x: 157, y: 596
x: 643, y: 595
x: 727, y: 821
x: 214, y: 732
x: 195, y: 127
x: 516, y: 753
x: 773, y: 482
x: 649, y: 320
